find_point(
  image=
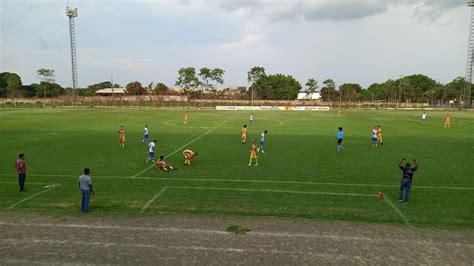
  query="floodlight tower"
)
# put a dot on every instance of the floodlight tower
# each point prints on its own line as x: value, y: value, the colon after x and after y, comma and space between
x: 470, y: 58
x: 72, y: 13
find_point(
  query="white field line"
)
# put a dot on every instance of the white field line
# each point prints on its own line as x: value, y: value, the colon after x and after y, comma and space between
x: 252, y: 190
x: 153, y: 199
x: 277, y: 191
x: 252, y: 181
x: 34, y: 195
x: 26, y: 183
x: 178, y: 230
x: 397, y: 210
x: 178, y: 149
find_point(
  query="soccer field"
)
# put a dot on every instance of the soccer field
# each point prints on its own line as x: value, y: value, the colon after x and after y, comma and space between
x: 300, y: 175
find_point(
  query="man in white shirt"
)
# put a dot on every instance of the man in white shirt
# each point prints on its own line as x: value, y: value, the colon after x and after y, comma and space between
x: 85, y: 183
x: 262, y: 142
x: 151, y: 151
x: 145, y: 134
x: 423, y: 117
x: 251, y: 118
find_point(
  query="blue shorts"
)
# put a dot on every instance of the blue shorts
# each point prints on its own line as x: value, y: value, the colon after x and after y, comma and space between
x: 374, y: 140
x: 262, y: 143
x: 145, y: 136
x: 152, y: 155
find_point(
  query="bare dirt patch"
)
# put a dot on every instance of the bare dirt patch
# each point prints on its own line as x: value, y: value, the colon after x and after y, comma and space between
x: 168, y: 239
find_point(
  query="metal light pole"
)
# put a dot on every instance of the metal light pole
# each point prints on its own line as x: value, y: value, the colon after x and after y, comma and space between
x: 72, y: 13
x: 400, y: 90
x: 470, y: 58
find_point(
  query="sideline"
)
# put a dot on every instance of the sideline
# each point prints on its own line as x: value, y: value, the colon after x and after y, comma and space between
x: 163, y: 190
x: 53, y: 186
x: 249, y: 181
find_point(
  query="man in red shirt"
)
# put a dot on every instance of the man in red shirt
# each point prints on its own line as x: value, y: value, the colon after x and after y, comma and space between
x: 20, y: 166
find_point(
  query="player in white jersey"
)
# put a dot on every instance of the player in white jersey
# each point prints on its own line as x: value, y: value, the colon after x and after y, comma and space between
x: 145, y: 134
x: 262, y: 141
x: 423, y: 117
x: 251, y: 118
x: 151, y: 151
x: 374, y: 137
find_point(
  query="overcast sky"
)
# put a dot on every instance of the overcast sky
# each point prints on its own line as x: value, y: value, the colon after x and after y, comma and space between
x: 362, y: 41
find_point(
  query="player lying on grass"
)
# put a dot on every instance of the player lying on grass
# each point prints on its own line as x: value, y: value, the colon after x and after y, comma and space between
x: 162, y: 165
x: 189, y: 156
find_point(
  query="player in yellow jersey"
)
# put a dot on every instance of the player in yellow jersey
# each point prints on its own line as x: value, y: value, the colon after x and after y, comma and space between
x: 243, y: 134
x: 447, y: 121
x: 253, y: 153
x: 189, y: 156
x: 186, y: 114
x: 162, y: 165
x: 121, y: 133
x: 379, y: 135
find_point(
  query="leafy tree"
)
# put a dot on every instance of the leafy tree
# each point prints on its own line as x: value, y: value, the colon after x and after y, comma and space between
x: 378, y: 90
x: 161, y: 88
x: 328, y: 91
x: 211, y: 77
x: 10, y: 85
x: 101, y: 85
x: 46, y: 75
x: 454, y: 89
x: 311, y: 86
x: 135, y: 88
x: 187, y: 79
x: 48, y: 89
x: 29, y: 90
x: 255, y: 73
x: 365, y: 95
x: 277, y: 87
x: 350, y: 91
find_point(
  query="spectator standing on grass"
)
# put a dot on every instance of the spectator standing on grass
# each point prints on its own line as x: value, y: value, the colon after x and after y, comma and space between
x: 20, y: 166
x: 407, y: 178
x: 85, y: 183
x: 340, y: 135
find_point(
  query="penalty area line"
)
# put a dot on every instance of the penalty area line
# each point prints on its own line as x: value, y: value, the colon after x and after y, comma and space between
x: 398, y: 211
x: 53, y: 186
x: 163, y: 190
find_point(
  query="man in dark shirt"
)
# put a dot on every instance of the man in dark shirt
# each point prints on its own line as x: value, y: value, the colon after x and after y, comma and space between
x: 20, y: 166
x: 407, y: 178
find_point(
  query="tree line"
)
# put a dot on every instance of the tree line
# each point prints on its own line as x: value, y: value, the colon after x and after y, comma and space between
x: 203, y: 82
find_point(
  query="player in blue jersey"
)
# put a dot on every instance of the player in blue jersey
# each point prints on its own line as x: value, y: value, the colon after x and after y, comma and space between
x: 340, y: 135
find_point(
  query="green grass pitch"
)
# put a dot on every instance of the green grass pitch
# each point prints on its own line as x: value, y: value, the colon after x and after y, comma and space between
x: 300, y: 175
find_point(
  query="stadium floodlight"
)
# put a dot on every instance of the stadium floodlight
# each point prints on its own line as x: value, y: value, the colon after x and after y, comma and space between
x: 470, y: 58
x: 72, y: 13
